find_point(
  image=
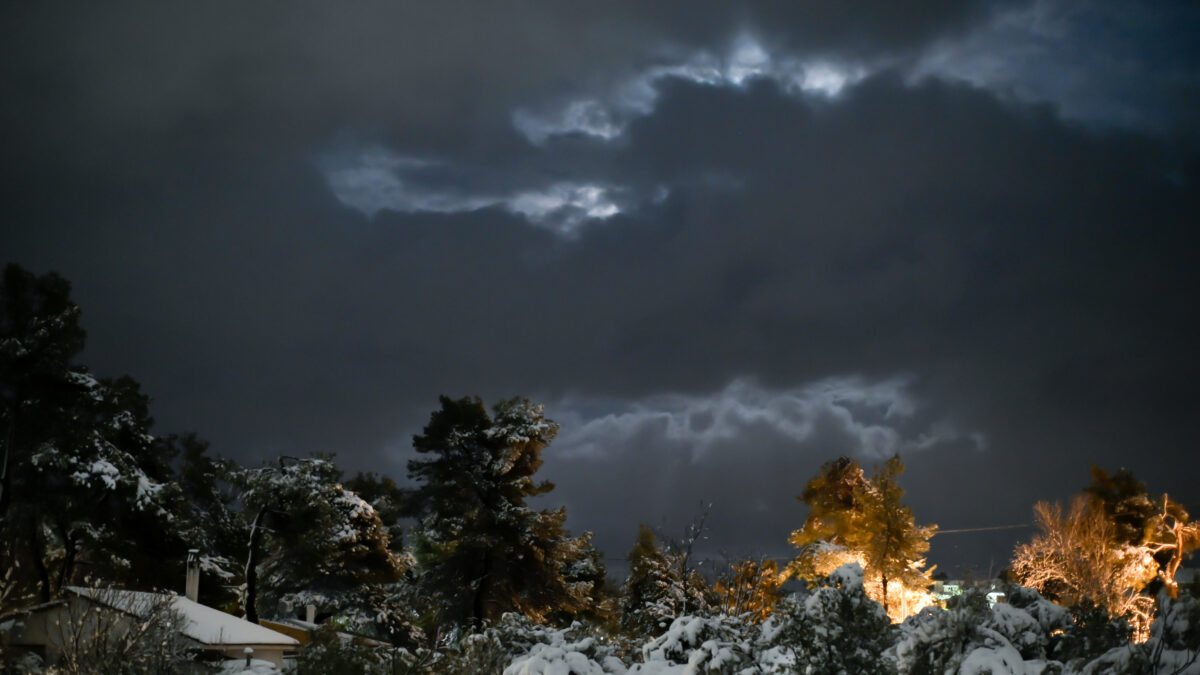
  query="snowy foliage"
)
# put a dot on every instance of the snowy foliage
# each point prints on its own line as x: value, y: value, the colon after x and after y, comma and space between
x: 720, y: 644
x: 482, y: 550
x: 328, y: 547
x: 660, y: 588
x: 855, y: 520
x: 835, y: 628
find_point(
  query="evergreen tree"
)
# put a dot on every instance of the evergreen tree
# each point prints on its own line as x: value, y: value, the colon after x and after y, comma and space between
x: 84, y: 494
x: 659, y: 588
x: 1124, y: 501
x: 897, y: 546
x: 213, y: 526
x: 482, y: 550
x: 388, y: 500
x: 853, y: 519
x: 312, y: 541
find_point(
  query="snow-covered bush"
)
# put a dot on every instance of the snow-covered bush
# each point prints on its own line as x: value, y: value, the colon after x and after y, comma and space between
x: 515, y: 641
x: 971, y: 637
x: 571, y: 651
x: 836, y: 628
x: 719, y: 644
x: 936, y: 641
x: 1090, y: 634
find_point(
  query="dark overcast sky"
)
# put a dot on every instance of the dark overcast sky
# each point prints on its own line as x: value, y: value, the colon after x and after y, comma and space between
x: 721, y: 243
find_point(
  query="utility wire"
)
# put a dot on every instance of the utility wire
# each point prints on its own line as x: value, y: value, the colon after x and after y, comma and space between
x: 982, y: 529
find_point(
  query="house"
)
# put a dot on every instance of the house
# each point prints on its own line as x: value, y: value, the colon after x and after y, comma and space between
x: 944, y: 589
x: 45, y: 629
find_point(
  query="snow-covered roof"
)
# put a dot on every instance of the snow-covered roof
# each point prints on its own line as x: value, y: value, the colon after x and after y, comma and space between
x: 203, y: 624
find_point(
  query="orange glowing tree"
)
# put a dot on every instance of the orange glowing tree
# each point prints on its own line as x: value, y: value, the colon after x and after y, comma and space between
x: 853, y: 519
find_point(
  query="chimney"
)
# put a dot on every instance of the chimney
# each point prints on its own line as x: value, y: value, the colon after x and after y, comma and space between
x: 192, y: 586
x: 310, y: 613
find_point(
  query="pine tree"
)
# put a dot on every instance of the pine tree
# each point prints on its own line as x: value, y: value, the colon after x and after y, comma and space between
x: 83, y: 493
x: 896, y: 549
x: 853, y: 519
x: 388, y: 500
x: 311, y: 539
x: 482, y: 550
x: 213, y: 526
x: 659, y: 588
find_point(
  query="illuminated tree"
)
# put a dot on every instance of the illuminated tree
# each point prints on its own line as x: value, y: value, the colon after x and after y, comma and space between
x: 1171, y: 537
x: 1160, y: 525
x: 751, y: 588
x: 1112, y: 548
x: 1078, y: 558
x: 853, y: 519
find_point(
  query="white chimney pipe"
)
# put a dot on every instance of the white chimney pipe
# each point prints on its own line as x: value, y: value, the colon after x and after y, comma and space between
x: 310, y: 613
x: 192, y: 586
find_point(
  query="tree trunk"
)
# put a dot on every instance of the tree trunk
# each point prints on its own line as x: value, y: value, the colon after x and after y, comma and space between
x: 67, y: 570
x: 10, y: 437
x: 478, y: 608
x: 883, y: 578
x: 252, y: 567
x: 39, y: 560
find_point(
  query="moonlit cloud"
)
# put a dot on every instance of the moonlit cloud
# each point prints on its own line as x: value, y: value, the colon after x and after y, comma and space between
x: 375, y: 179
x: 564, y: 206
x: 870, y: 419
x: 1081, y: 57
x: 605, y: 116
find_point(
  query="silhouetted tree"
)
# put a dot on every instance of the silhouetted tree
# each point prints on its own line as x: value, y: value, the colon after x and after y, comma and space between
x: 481, y: 549
x: 84, y: 494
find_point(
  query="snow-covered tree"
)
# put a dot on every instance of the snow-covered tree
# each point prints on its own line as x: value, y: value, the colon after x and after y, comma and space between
x: 212, y: 524
x: 482, y: 550
x: 835, y: 629
x: 312, y: 541
x: 83, y: 491
x: 853, y: 519
x: 660, y: 588
x: 1160, y: 525
x: 1077, y: 557
x: 751, y: 588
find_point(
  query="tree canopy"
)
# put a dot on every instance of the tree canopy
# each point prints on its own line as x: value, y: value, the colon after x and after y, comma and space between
x: 853, y: 519
x: 483, y: 550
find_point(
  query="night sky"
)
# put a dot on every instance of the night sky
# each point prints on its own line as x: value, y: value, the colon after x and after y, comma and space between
x: 721, y: 244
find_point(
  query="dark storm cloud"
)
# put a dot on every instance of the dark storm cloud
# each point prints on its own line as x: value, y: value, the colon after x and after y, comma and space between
x: 1024, y: 285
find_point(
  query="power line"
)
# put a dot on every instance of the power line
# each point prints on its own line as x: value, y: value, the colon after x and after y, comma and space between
x: 982, y: 529
x: 789, y: 556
